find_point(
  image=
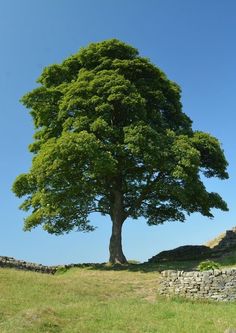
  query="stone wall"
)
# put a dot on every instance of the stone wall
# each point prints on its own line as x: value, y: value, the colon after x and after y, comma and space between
x: 217, y: 285
x: 9, y: 262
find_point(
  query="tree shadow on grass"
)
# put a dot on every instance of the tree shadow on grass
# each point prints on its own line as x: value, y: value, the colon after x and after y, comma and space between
x: 227, y: 259
x: 141, y: 267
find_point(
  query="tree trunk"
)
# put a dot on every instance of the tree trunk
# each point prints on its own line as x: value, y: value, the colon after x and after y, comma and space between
x: 116, y: 253
x: 117, y: 216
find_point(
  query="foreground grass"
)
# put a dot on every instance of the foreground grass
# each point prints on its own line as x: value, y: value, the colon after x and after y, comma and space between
x: 93, y: 300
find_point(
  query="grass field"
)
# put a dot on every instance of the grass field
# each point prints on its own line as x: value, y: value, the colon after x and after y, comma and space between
x: 100, y: 300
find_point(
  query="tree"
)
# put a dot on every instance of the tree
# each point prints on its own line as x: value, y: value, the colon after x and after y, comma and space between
x: 111, y: 137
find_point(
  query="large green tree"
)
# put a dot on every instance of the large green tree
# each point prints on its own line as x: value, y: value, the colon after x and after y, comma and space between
x: 111, y: 137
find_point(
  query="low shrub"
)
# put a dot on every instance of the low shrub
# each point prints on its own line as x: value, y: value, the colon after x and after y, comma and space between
x: 207, y: 265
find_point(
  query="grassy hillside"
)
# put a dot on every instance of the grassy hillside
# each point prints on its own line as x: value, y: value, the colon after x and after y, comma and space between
x: 215, y: 241
x: 102, y: 300
x: 226, y: 260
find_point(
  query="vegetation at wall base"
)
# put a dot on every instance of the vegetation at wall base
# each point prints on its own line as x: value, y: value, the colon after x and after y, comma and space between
x: 207, y: 265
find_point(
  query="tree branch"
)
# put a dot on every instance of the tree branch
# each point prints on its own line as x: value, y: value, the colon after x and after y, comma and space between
x: 146, y: 190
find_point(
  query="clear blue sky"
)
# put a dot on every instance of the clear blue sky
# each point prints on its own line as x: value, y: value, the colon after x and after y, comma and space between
x: 192, y: 41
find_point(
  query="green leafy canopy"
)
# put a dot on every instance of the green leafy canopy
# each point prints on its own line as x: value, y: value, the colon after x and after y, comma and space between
x: 108, y: 120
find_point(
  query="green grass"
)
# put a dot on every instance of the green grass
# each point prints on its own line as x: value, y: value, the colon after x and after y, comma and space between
x: 102, y: 299
x: 228, y: 260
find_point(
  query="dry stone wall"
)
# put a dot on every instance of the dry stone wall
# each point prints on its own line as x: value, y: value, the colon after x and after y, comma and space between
x: 219, y: 285
x: 9, y: 262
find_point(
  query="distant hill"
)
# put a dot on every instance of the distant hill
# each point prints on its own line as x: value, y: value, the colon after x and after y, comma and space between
x: 225, y: 240
x: 223, y: 245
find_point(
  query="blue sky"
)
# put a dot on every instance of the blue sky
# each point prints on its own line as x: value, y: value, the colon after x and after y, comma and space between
x: 192, y: 41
